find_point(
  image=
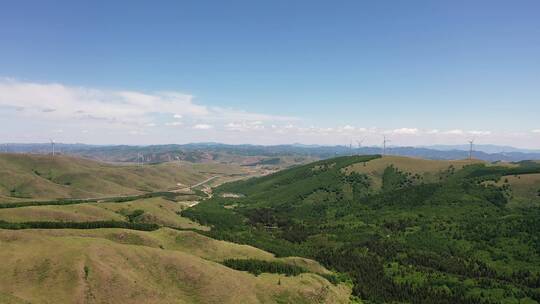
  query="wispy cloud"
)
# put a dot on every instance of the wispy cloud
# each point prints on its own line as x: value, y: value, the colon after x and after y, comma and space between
x: 408, y: 131
x: 53, y: 101
x: 479, y: 133
x: 202, y: 127
x: 243, y: 126
x: 454, y: 132
x: 165, y: 117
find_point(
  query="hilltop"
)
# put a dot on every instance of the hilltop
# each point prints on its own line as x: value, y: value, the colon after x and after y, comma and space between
x: 404, y: 229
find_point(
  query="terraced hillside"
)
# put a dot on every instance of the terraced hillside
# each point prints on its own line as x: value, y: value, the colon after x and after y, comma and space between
x: 404, y: 230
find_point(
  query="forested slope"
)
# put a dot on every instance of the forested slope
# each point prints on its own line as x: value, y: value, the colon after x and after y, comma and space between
x: 445, y: 234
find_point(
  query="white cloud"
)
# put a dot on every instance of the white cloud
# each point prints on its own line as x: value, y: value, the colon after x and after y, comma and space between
x: 246, y: 126
x: 454, y: 132
x: 111, y: 114
x: 57, y: 102
x: 234, y: 126
x: 136, y: 132
x: 202, y: 127
x: 289, y: 126
x: 480, y: 133
x: 406, y: 131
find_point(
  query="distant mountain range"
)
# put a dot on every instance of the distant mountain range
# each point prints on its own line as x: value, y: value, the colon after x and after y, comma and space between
x: 483, y: 148
x: 200, y: 152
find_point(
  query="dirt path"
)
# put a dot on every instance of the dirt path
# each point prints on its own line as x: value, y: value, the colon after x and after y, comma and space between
x: 204, y: 181
x: 198, y: 184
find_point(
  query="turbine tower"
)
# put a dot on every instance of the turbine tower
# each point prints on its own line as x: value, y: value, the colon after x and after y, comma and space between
x: 359, y: 142
x: 471, y: 143
x: 52, y: 146
x: 384, y: 144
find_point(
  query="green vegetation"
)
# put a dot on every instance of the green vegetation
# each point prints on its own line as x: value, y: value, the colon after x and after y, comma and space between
x: 440, y: 235
x: 257, y: 267
x: 135, y: 215
x: 78, y: 225
x: 61, y: 202
x: 393, y: 229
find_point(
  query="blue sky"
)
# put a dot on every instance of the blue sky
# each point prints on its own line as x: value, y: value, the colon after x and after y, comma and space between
x: 270, y: 72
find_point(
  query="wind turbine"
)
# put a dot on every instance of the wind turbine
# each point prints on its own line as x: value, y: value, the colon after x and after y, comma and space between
x: 384, y: 144
x: 359, y: 142
x: 52, y: 145
x: 471, y: 143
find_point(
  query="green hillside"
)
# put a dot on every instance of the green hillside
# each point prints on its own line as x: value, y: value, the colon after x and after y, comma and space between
x: 404, y: 230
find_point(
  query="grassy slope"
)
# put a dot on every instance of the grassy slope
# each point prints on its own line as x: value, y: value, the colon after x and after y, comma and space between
x: 430, y: 170
x: 156, y: 210
x: 129, y: 267
x: 44, y: 177
x: 185, y: 241
x: 525, y: 189
x: 70, y: 213
x: 164, y: 266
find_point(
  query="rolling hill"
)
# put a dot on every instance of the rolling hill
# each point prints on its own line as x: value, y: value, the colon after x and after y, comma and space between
x: 279, y: 156
x: 119, y: 266
x: 34, y: 176
x: 158, y: 256
x: 403, y: 229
